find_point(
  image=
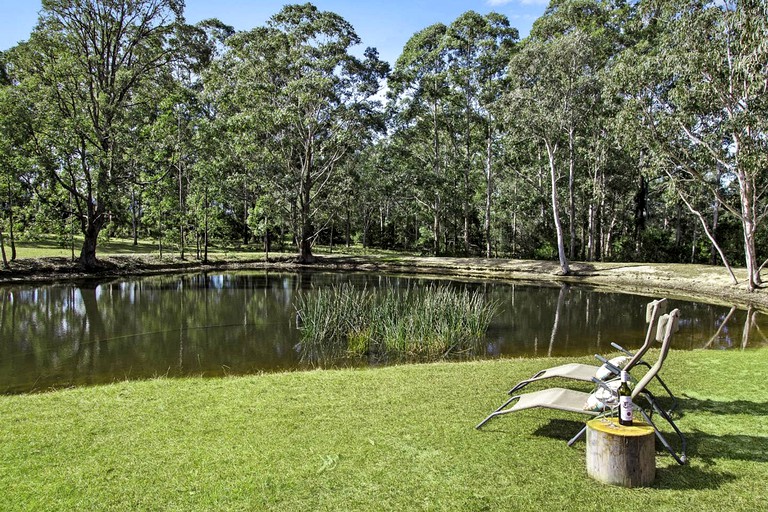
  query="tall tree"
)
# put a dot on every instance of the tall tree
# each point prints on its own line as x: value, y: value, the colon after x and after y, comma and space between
x: 301, y: 103
x: 701, y: 96
x: 84, y: 62
x: 545, y: 101
x: 479, y: 48
x: 419, y: 90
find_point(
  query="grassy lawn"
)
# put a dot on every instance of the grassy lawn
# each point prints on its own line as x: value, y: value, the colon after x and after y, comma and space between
x: 52, y: 247
x: 398, y: 438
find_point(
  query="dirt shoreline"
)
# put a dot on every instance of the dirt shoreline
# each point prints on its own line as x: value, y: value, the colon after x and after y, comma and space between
x: 692, y: 282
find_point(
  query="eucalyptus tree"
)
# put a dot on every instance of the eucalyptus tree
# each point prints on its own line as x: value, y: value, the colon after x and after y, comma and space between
x: 418, y: 92
x: 545, y: 100
x: 479, y: 48
x: 591, y: 32
x: 84, y: 61
x: 699, y: 92
x: 299, y: 103
x: 193, y: 129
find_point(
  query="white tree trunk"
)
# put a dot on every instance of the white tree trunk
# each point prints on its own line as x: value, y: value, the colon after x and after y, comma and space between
x: 551, y: 150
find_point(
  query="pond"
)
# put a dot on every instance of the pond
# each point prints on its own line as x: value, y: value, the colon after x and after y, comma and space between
x: 231, y: 323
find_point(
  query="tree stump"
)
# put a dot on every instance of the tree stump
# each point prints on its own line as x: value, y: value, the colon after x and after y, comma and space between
x: 619, y: 455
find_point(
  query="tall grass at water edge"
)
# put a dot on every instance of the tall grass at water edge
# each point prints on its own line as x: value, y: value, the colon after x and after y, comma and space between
x: 431, y: 322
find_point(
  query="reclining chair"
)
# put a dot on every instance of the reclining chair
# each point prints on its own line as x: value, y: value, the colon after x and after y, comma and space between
x: 610, y: 368
x: 579, y: 402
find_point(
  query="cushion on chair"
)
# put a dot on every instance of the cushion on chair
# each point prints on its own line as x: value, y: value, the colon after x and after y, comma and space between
x: 603, y: 373
x: 603, y: 399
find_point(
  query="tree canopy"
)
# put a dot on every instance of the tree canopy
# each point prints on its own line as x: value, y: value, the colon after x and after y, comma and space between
x: 617, y: 130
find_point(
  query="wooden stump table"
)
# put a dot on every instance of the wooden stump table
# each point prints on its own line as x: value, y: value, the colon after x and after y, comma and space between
x: 619, y: 455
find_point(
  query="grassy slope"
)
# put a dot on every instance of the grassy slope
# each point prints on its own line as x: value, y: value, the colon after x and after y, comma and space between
x: 398, y: 438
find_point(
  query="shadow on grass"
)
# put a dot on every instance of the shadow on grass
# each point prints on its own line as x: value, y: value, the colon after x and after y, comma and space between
x: 702, y: 447
x: 689, y: 478
x: 709, y: 447
x: 107, y: 246
x: 730, y: 407
x: 46, y: 243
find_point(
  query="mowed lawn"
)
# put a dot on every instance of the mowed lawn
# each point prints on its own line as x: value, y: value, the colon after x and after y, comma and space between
x: 397, y: 438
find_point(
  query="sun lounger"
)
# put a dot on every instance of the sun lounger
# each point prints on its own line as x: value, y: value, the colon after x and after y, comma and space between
x: 610, y: 368
x: 570, y: 400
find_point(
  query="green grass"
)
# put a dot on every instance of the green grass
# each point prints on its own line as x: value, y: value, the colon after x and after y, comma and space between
x: 49, y: 246
x: 429, y: 323
x: 396, y: 438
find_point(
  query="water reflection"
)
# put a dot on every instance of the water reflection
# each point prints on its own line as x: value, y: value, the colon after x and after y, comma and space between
x: 244, y: 322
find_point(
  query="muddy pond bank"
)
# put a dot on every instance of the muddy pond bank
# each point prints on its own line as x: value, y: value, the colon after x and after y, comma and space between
x: 693, y: 282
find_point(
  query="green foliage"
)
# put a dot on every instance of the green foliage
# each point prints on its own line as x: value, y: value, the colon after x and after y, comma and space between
x: 620, y: 107
x: 545, y: 252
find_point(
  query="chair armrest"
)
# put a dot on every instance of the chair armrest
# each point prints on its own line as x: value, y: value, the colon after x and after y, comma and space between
x: 621, y: 349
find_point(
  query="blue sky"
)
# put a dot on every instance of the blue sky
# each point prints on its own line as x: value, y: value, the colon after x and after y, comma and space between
x: 384, y: 24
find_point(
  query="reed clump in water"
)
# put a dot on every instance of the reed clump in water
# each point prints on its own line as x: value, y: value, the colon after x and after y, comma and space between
x: 431, y: 322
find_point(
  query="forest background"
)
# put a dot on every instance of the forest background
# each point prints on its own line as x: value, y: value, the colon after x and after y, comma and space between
x: 615, y: 131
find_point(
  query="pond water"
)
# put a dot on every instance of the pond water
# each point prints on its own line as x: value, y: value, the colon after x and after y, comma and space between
x: 224, y: 323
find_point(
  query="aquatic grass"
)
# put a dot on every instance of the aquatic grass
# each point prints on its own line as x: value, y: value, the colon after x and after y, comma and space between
x: 429, y: 322
x: 330, y: 319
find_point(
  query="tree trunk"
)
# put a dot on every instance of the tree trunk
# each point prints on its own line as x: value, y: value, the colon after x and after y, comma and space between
x: 488, y: 188
x: 715, y: 222
x: 267, y: 240
x: 11, y: 235
x: 331, y: 244
x: 436, y: 172
x: 564, y: 267
x: 205, y: 230
x: 305, y: 213
x: 246, y: 231
x: 641, y: 207
x: 182, y: 219
x: 134, y: 218
x: 305, y: 249
x: 465, y: 202
x: 88, y: 251
x: 348, y: 228
x: 182, y: 206
x: 749, y: 224
x: 571, y: 194
x: 2, y: 248
x: 595, y: 206
x: 436, y: 228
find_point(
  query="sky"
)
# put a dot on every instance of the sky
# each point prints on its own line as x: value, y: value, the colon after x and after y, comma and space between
x: 383, y: 24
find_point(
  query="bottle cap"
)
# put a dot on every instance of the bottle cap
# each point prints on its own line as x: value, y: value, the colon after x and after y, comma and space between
x: 624, y: 376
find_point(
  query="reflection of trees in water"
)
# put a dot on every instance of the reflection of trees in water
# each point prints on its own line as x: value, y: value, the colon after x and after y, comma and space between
x: 153, y: 326
x: 213, y: 323
x: 556, y: 323
x: 738, y: 328
x: 567, y: 318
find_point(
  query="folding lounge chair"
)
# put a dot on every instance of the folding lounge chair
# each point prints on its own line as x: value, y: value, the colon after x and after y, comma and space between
x: 586, y: 372
x: 576, y: 401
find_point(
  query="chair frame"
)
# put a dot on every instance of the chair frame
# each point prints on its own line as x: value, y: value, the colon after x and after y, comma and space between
x: 573, y: 401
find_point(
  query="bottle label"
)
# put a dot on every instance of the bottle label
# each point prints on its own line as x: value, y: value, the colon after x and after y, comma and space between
x: 625, y: 408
